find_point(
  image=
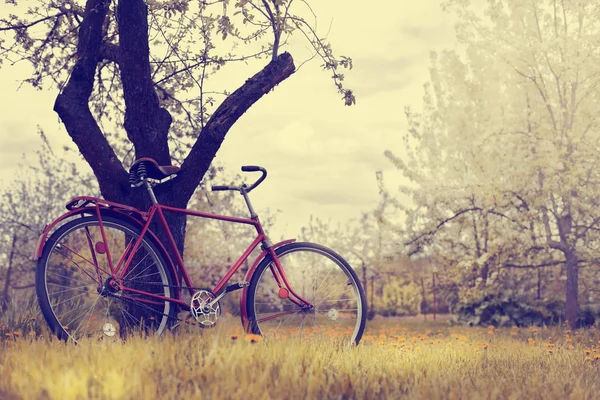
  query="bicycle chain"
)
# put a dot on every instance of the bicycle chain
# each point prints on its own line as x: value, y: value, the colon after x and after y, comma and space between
x: 173, y: 286
x: 142, y: 306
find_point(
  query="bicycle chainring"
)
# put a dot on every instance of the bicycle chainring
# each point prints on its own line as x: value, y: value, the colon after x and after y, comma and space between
x: 206, y: 315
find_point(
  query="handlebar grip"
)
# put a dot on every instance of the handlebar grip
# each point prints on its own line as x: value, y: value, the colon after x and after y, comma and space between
x: 250, y: 168
x: 220, y: 188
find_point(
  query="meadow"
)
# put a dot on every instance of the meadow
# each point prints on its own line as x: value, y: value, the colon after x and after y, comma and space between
x: 397, y: 358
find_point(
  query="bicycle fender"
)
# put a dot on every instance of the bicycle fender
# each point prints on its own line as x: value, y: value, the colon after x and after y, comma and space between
x: 77, y: 206
x: 105, y: 212
x: 261, y: 256
x: 66, y: 216
x: 39, y: 247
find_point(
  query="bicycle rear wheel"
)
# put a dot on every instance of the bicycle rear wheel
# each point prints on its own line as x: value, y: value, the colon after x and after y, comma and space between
x: 336, y: 308
x: 79, y: 297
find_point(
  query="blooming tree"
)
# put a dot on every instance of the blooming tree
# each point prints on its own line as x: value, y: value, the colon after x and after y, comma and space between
x: 502, y: 160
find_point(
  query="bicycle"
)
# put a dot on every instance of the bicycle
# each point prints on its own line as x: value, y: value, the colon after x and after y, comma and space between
x: 103, y: 272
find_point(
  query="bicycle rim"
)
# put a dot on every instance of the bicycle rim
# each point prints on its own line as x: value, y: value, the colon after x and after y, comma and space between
x: 74, y: 282
x: 319, y: 276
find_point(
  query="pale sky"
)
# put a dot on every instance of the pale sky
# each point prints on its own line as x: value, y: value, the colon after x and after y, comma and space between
x: 321, y: 155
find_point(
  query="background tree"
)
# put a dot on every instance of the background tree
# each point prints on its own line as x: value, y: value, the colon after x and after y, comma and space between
x: 35, y: 193
x: 504, y: 154
x: 133, y: 78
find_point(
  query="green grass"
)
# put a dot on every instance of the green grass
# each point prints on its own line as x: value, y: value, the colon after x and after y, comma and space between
x: 404, y: 358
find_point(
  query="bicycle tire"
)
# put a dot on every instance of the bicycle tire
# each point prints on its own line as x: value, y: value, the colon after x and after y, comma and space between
x: 339, y: 319
x: 72, y: 277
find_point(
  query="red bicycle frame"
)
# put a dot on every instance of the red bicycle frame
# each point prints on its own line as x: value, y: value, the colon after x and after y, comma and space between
x: 99, y: 207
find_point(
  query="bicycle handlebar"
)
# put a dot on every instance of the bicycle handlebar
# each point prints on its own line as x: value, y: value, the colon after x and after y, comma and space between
x: 220, y: 188
x: 247, y: 189
x: 254, y: 168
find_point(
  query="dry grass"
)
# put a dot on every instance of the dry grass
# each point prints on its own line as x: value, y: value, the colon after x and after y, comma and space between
x: 397, y: 359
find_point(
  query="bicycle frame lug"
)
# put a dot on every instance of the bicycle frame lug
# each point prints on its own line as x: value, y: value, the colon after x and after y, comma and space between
x: 266, y: 244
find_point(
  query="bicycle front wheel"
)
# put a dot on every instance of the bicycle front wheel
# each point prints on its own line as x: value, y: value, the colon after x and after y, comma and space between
x: 322, y: 298
x: 81, y: 298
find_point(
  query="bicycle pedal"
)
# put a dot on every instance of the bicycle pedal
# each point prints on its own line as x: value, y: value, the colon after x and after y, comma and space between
x: 236, y: 286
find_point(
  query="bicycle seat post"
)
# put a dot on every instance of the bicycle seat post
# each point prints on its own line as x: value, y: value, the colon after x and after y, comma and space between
x: 148, y: 186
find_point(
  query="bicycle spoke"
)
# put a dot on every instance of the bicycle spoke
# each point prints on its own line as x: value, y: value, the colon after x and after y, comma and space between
x: 131, y: 269
x: 90, y: 317
x: 68, y: 326
x: 334, y: 293
x: 322, y: 284
x: 66, y: 290
x: 80, y: 256
x: 328, y: 301
x: 143, y: 277
x: 288, y: 320
x: 70, y: 299
x: 71, y: 278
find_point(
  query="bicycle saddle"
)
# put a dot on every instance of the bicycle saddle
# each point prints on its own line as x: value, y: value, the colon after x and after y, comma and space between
x: 153, y: 170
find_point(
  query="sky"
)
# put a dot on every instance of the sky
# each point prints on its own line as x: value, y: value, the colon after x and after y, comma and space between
x: 321, y: 156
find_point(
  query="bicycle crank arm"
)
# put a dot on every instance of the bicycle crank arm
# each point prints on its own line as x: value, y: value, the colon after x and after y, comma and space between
x: 228, y: 289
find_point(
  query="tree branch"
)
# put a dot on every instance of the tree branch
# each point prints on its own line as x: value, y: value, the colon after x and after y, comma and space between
x: 72, y: 105
x: 30, y: 24
x: 442, y: 223
x: 213, y: 134
x: 23, y: 286
x: 534, y: 266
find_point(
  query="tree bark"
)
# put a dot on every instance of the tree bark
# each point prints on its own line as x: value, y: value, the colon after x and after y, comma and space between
x: 146, y: 123
x: 572, y: 286
x: 424, y: 299
x: 364, y: 273
x: 5, y: 298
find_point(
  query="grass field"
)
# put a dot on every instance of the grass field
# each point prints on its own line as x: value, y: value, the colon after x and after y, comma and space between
x: 406, y: 358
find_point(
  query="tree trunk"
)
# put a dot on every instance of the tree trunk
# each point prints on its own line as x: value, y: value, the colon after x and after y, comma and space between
x: 5, y: 298
x: 572, y: 286
x: 424, y: 299
x: 146, y: 123
x: 364, y: 271
x: 485, y: 270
